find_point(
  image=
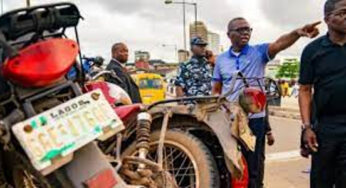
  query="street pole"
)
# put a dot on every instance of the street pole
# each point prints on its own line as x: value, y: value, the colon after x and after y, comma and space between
x: 28, y: 3
x: 176, y: 52
x: 184, y: 22
x: 183, y: 2
x: 195, y: 17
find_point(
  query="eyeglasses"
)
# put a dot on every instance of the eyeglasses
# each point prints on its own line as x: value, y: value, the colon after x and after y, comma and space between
x: 339, y: 14
x: 242, y: 30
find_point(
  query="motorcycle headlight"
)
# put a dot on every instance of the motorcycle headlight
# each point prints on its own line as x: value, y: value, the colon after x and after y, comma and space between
x: 252, y: 100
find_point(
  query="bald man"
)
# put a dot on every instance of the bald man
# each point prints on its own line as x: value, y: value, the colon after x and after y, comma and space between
x: 120, y: 54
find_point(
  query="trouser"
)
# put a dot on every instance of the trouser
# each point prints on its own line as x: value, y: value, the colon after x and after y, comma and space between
x: 254, y: 159
x: 262, y: 166
x: 329, y: 163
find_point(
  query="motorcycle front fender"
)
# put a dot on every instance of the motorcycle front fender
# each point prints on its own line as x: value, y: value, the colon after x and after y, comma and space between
x: 219, y: 123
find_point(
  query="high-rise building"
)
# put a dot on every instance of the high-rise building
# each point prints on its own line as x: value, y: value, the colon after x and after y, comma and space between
x: 199, y: 29
x: 214, y: 42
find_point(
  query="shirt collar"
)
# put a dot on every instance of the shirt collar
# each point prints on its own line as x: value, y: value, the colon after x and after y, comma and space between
x: 118, y: 62
x: 243, y: 51
x: 196, y: 56
x: 199, y: 58
x: 326, y: 41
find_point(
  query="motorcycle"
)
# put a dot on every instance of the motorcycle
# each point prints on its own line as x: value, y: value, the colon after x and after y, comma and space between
x: 47, y: 124
x: 198, y: 144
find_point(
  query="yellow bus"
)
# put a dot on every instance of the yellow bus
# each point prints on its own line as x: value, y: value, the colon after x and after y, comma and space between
x: 151, y: 87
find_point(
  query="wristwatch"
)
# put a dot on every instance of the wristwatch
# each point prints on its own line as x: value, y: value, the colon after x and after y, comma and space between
x: 306, y: 126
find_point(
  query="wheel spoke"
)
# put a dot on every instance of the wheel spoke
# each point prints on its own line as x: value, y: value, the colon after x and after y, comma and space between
x: 171, y: 153
x: 187, y: 168
x: 182, y: 164
x: 164, y: 156
x: 185, y: 173
x: 170, y: 158
x: 176, y: 157
x: 177, y: 163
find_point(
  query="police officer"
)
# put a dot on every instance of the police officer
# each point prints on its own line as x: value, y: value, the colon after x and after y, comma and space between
x: 194, y: 76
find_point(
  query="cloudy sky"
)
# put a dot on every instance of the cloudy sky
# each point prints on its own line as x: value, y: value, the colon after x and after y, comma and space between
x: 148, y: 24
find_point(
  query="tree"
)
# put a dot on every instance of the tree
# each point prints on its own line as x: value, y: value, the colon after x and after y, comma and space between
x: 289, y: 69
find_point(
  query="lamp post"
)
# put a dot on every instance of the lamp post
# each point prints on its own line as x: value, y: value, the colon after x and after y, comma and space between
x: 175, y: 49
x: 28, y: 3
x: 184, y: 3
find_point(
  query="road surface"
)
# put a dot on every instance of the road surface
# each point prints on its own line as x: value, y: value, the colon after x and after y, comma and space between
x: 284, y: 167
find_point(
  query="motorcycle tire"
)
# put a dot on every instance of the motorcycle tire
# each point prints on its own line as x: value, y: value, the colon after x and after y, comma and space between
x: 205, y: 170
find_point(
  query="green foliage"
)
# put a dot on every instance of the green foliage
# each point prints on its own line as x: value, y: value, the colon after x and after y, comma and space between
x: 289, y: 69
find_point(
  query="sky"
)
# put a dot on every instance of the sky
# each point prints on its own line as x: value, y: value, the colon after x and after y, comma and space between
x: 150, y: 24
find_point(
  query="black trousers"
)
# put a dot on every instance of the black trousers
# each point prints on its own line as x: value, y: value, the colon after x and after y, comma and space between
x: 255, y: 159
x: 329, y: 163
x: 262, y: 166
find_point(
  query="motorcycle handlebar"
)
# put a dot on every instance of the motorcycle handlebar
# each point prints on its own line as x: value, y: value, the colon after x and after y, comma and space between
x: 235, y: 77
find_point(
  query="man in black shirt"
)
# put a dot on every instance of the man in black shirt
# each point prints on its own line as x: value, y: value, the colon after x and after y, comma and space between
x: 119, y: 58
x: 323, y: 69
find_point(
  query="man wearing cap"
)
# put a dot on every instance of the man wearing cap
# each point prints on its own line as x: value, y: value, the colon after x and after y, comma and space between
x: 251, y: 61
x: 194, y: 76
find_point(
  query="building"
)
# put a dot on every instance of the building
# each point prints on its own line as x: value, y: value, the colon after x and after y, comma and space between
x: 183, y: 56
x: 142, y: 59
x: 199, y: 29
x: 142, y: 55
x: 214, y: 42
x: 272, y: 68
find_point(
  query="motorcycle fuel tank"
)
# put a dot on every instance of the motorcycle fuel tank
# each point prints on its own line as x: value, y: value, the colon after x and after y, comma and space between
x: 42, y: 63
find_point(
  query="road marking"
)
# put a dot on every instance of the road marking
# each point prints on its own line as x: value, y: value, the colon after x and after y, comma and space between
x: 283, y: 156
x: 285, y: 118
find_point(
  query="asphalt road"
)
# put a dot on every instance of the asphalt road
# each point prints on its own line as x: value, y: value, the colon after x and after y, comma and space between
x: 284, y: 166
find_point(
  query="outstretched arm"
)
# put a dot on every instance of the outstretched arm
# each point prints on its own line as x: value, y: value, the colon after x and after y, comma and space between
x: 289, y: 39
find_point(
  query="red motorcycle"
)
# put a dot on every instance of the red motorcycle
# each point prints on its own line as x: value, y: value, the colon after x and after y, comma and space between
x: 48, y: 126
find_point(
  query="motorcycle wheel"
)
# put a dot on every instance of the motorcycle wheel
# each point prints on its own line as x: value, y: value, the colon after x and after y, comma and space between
x: 185, y: 157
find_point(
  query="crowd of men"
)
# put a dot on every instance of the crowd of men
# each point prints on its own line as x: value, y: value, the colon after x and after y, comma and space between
x: 323, y: 69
